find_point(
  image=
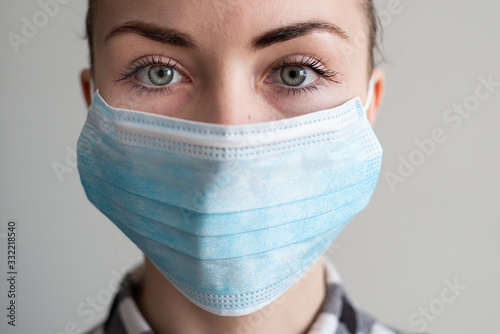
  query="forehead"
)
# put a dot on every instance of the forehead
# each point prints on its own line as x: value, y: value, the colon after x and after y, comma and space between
x: 228, y: 23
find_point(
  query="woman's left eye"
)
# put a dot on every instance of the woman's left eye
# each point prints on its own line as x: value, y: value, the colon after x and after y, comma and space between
x: 294, y: 76
x: 159, y: 75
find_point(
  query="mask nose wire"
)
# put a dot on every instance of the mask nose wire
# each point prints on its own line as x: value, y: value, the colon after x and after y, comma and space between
x: 371, y: 88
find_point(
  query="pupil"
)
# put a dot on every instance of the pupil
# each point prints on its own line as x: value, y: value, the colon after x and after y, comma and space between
x: 293, y: 75
x: 160, y: 75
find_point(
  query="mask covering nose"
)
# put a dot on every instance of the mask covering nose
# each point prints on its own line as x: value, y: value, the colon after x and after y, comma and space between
x: 231, y: 215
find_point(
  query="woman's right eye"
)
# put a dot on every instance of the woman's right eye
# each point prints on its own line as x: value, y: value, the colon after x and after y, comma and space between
x: 295, y: 76
x: 159, y: 75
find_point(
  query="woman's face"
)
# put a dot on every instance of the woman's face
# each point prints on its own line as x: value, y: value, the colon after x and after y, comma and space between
x: 230, y: 61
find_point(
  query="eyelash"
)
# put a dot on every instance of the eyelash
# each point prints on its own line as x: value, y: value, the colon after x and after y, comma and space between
x: 305, y: 61
x: 312, y: 63
x: 142, y: 63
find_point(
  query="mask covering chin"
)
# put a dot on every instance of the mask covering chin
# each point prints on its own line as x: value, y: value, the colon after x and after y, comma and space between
x: 231, y: 215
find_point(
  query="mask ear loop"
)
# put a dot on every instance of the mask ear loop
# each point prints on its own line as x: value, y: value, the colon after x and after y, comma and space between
x: 371, y: 88
x: 92, y: 92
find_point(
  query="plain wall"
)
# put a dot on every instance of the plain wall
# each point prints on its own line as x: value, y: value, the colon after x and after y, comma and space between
x: 436, y: 224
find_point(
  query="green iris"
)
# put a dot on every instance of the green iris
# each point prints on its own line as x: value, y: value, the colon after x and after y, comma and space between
x: 160, y: 75
x: 293, y: 75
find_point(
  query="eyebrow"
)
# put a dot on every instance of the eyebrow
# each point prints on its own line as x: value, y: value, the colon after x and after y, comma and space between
x: 289, y: 32
x: 177, y: 38
x: 155, y: 33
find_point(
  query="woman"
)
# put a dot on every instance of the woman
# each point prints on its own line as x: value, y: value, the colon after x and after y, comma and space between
x: 229, y: 141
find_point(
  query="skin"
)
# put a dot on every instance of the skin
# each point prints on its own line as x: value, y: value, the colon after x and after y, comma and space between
x: 226, y: 81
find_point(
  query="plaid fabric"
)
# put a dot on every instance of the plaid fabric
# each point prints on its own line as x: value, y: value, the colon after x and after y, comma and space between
x: 337, y: 315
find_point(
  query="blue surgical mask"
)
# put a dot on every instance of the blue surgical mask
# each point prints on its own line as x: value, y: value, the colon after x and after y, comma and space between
x: 231, y: 215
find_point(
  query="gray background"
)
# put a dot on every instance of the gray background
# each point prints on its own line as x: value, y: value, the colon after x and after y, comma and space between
x: 440, y: 225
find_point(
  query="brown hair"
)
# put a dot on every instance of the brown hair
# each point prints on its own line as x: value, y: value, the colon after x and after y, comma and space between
x: 366, y: 5
x: 373, y: 32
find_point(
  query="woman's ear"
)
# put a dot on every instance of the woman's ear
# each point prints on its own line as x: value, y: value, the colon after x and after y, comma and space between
x: 378, y: 93
x: 86, y: 82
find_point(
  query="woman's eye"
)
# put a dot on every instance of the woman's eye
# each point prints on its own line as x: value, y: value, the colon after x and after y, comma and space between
x: 159, y: 75
x: 293, y: 75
